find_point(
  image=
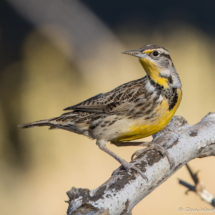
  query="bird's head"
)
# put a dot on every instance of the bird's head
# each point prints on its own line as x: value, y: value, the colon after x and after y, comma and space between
x: 158, y: 65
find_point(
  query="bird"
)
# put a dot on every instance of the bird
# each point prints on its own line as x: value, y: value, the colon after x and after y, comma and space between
x: 131, y: 111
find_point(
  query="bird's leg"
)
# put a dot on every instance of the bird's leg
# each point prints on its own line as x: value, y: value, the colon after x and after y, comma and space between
x: 157, y: 147
x: 125, y: 164
x: 119, y: 144
x: 150, y: 146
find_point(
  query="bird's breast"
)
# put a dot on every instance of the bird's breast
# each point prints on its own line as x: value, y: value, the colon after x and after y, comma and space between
x: 155, y: 121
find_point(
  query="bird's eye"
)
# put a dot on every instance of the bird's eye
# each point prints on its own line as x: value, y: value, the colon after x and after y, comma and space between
x: 155, y: 53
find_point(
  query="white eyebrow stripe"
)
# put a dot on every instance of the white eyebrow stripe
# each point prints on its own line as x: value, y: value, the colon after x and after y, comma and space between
x: 163, y: 51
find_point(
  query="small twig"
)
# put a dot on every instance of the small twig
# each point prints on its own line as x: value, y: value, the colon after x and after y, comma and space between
x: 198, y: 188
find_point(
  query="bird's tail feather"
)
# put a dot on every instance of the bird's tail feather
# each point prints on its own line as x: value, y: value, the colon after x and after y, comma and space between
x: 45, y: 122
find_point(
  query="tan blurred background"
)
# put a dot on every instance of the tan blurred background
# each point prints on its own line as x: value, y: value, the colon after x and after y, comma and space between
x: 54, y: 54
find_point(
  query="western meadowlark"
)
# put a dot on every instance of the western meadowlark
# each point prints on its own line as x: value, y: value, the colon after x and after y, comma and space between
x: 134, y: 110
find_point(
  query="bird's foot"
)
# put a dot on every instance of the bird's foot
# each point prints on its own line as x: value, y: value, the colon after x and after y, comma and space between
x: 127, y: 166
x: 158, y: 148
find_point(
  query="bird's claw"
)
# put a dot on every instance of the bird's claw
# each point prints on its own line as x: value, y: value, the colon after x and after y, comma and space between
x: 129, y: 166
x: 158, y: 148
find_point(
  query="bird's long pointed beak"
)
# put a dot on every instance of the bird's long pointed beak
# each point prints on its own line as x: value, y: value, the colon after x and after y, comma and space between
x: 135, y: 53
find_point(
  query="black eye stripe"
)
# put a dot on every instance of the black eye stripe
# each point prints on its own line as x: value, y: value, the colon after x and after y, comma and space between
x: 166, y: 55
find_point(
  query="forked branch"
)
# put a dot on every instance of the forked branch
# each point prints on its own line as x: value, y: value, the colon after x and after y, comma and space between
x: 198, y: 188
x: 122, y: 191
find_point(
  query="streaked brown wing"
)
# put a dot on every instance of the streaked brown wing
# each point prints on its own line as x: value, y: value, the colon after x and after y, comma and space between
x: 121, y: 98
x: 92, y: 104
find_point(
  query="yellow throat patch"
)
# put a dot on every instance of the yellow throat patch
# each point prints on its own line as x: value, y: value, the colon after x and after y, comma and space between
x: 153, y: 71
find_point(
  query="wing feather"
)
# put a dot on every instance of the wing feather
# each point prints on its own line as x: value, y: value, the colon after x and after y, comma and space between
x: 121, y: 99
x: 89, y: 103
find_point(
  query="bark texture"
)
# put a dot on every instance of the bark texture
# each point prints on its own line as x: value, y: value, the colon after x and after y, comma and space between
x: 123, y: 190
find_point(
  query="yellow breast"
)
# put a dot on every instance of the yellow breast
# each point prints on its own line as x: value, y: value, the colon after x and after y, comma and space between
x: 141, y: 129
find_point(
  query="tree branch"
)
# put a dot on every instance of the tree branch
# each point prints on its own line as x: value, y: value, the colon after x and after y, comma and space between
x: 119, y: 194
x: 198, y: 188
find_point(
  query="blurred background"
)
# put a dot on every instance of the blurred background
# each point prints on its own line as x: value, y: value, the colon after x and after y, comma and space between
x: 54, y: 54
